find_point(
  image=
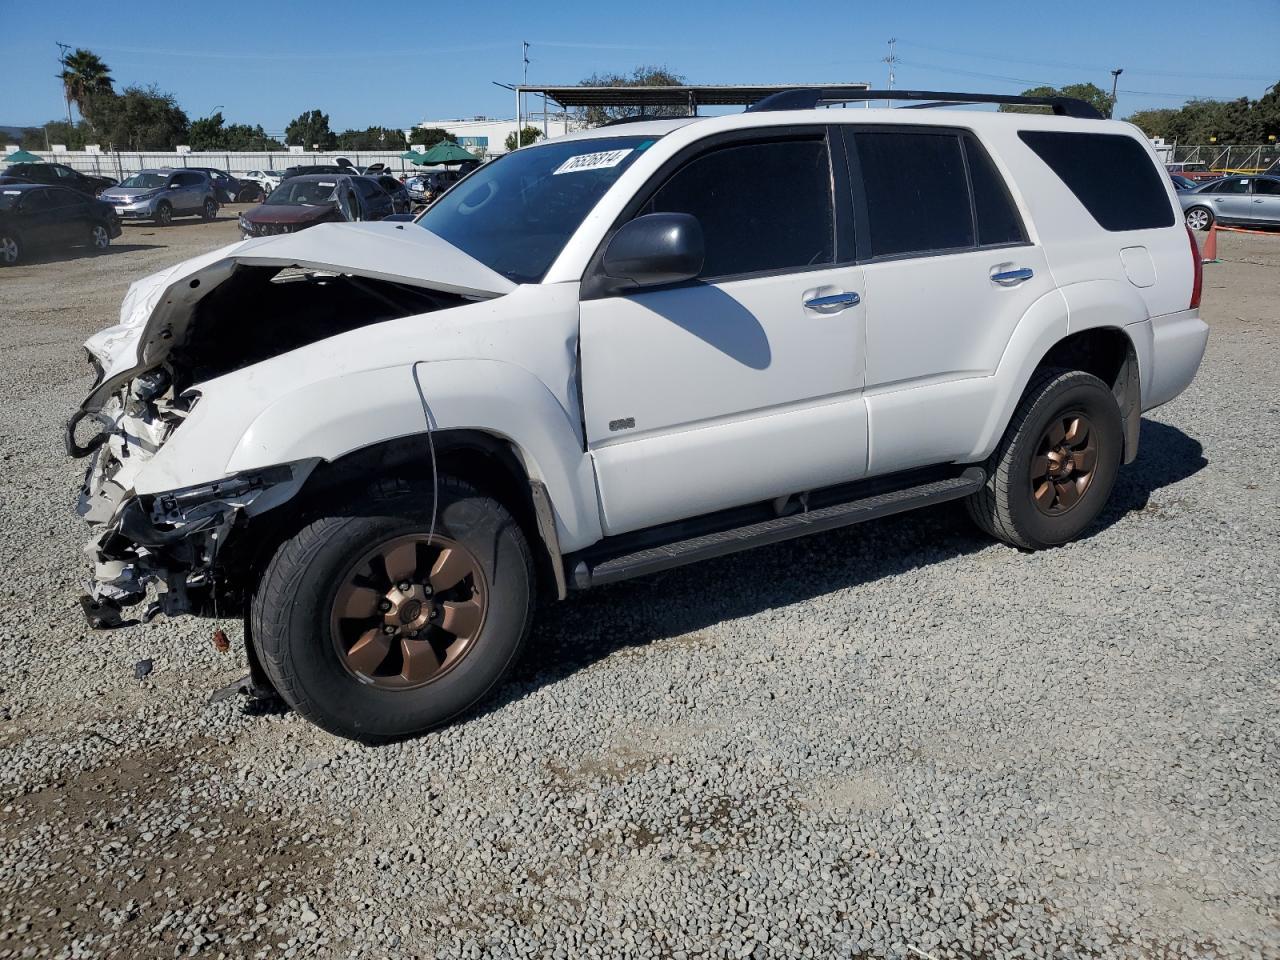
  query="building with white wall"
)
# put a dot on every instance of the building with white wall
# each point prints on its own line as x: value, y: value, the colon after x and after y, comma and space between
x: 490, y: 133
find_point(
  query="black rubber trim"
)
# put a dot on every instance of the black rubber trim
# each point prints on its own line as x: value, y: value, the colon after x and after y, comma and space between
x: 717, y: 544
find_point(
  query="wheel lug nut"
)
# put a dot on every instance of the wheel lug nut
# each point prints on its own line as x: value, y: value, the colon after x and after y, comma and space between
x: 384, y: 606
x: 389, y: 630
x: 413, y: 633
x: 403, y: 586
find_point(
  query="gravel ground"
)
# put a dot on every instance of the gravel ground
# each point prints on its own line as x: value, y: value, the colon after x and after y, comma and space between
x: 896, y: 740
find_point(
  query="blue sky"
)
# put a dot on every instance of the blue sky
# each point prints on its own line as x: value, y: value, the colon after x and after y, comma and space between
x: 397, y: 63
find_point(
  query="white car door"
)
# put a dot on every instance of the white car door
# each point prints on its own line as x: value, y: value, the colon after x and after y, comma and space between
x: 743, y: 384
x: 949, y: 274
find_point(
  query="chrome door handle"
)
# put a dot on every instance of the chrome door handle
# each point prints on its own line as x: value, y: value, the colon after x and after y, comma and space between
x: 1010, y: 278
x: 833, y: 303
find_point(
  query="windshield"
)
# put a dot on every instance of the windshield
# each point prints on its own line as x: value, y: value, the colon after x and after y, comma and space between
x: 147, y: 181
x: 9, y: 199
x: 303, y: 193
x: 516, y: 214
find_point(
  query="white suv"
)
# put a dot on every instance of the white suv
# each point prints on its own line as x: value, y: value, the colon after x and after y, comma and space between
x: 620, y: 351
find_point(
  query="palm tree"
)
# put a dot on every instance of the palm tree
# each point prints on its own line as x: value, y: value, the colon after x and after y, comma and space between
x: 83, y: 75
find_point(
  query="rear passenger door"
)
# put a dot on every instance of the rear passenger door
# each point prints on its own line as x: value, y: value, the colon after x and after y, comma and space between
x: 1266, y: 200
x: 743, y: 384
x: 949, y: 272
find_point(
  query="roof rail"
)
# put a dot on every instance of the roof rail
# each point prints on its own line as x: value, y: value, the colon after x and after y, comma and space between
x: 807, y: 99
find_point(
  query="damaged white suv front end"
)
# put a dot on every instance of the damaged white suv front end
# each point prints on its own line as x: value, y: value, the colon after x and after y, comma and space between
x: 168, y: 426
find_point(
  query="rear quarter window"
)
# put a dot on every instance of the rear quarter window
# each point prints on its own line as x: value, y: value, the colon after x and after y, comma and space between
x: 1110, y: 174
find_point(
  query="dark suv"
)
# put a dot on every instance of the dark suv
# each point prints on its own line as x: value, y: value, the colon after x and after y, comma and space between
x: 56, y: 175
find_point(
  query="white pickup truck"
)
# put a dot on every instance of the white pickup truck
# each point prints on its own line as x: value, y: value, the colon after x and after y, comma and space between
x: 620, y: 351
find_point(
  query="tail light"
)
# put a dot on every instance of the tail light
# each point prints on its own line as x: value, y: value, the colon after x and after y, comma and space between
x: 1198, y: 283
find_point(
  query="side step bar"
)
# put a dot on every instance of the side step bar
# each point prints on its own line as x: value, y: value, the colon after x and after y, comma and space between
x: 653, y: 559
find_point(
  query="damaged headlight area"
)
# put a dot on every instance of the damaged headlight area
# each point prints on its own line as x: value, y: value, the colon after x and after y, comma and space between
x: 171, y: 542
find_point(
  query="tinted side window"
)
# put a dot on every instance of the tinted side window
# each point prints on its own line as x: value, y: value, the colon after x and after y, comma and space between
x: 370, y: 189
x: 1230, y: 186
x: 1109, y: 173
x: 37, y: 200
x: 762, y: 206
x: 1269, y: 187
x: 187, y: 179
x: 997, y: 218
x: 917, y: 195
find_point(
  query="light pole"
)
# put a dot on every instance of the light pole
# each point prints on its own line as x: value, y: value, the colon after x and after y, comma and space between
x: 1115, y: 79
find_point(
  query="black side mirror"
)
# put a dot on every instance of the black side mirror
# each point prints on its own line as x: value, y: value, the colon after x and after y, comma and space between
x: 654, y: 250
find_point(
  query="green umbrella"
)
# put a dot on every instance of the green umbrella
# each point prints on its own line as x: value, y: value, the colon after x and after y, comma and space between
x: 446, y: 151
x: 21, y: 156
x: 413, y: 156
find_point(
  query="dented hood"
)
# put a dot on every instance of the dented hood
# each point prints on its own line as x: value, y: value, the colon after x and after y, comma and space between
x: 157, y: 309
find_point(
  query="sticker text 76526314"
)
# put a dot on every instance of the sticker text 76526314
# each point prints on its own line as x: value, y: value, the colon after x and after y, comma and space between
x: 592, y: 161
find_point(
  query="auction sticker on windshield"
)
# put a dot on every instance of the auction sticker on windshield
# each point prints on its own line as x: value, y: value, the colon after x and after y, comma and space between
x: 592, y: 161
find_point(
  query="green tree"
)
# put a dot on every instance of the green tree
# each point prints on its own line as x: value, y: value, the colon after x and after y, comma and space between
x: 528, y: 135
x: 639, y: 77
x: 1088, y: 92
x: 310, y: 130
x: 430, y: 136
x: 84, y: 76
x: 241, y: 136
x: 141, y: 118
x: 207, y: 133
x: 373, y: 138
x: 1154, y: 123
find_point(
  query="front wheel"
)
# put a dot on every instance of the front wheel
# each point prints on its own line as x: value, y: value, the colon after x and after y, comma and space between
x: 1053, y: 470
x: 1199, y: 218
x: 373, y: 625
x: 10, y: 249
x: 99, y: 238
x: 164, y: 214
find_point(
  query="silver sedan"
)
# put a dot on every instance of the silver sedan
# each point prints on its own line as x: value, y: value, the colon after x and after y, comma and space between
x: 1242, y: 201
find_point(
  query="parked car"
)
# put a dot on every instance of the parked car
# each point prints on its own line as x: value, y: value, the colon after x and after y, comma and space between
x: 267, y: 180
x: 161, y: 195
x: 1243, y: 201
x: 343, y: 167
x: 227, y: 188
x: 425, y: 187
x: 620, y: 351
x: 400, y: 200
x: 1181, y: 183
x: 33, y: 216
x: 305, y: 201
x: 55, y: 174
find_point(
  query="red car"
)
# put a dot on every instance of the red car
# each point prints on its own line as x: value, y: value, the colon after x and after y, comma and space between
x: 304, y: 201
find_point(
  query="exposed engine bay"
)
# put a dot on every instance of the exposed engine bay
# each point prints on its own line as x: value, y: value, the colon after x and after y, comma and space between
x: 172, y: 541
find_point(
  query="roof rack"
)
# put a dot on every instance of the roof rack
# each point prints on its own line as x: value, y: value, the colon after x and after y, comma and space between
x: 808, y: 98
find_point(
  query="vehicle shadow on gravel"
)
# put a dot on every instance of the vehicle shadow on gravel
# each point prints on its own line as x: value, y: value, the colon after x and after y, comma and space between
x: 82, y: 253
x: 571, y: 636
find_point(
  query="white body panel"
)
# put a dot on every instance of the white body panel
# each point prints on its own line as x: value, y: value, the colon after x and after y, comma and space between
x: 737, y: 391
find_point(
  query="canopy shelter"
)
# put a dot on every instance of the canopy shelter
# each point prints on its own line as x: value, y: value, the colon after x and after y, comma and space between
x: 22, y: 156
x: 413, y: 156
x: 446, y: 152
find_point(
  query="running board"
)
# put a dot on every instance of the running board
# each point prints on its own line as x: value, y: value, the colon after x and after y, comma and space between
x: 587, y: 573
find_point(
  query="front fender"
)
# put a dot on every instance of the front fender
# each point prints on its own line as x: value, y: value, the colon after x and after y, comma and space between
x: 331, y: 418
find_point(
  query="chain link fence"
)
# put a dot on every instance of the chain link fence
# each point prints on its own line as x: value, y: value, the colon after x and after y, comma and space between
x: 120, y: 164
x: 1227, y: 159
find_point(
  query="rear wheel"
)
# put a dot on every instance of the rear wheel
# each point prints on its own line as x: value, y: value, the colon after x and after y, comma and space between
x: 10, y: 249
x: 164, y: 213
x: 210, y: 209
x: 374, y: 625
x: 99, y: 238
x: 1053, y: 470
x: 1199, y: 218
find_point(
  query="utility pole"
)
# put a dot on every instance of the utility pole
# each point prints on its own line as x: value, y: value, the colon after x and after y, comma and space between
x: 891, y: 59
x: 66, y: 94
x: 1115, y: 79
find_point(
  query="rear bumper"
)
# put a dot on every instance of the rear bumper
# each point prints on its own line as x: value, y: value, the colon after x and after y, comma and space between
x: 1178, y: 342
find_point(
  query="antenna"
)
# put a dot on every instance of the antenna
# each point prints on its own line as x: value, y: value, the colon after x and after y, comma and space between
x: 891, y: 60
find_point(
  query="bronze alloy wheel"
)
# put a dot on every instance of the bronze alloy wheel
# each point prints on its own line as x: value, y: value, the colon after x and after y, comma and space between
x: 1063, y: 465
x: 408, y: 611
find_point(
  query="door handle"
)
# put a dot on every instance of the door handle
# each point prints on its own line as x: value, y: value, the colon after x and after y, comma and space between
x: 1011, y: 278
x: 833, y: 303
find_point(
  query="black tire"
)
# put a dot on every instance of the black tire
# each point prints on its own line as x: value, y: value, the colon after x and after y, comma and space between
x: 1006, y: 507
x: 210, y: 209
x: 1199, y: 218
x: 10, y: 249
x: 99, y: 238
x: 164, y: 213
x: 294, y: 622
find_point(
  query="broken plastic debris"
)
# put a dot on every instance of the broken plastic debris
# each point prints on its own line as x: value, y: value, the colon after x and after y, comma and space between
x: 142, y: 668
x: 220, y: 641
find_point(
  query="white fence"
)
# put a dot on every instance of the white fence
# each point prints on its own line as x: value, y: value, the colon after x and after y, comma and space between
x: 120, y: 164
